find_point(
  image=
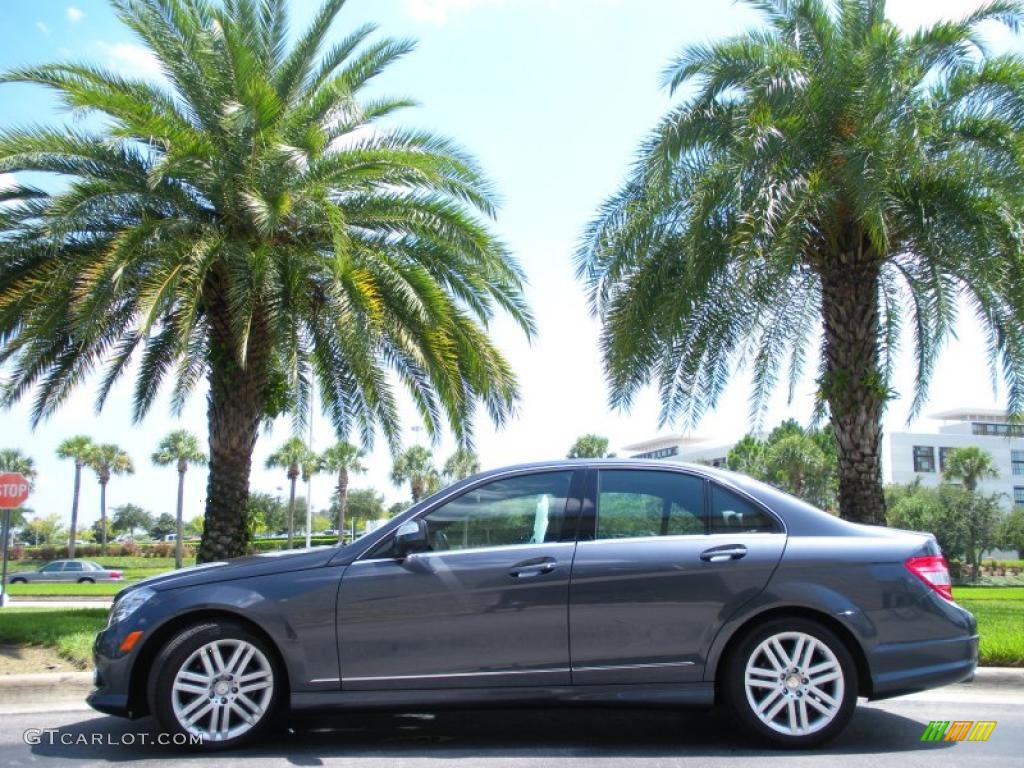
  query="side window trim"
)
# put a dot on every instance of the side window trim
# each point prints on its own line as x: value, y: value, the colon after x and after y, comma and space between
x: 780, y: 525
x: 572, y: 513
x: 589, y: 516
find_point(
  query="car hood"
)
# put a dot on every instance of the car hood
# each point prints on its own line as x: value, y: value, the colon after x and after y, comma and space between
x: 240, y: 568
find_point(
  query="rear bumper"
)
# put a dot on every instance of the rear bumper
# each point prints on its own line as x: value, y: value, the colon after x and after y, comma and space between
x: 899, y: 668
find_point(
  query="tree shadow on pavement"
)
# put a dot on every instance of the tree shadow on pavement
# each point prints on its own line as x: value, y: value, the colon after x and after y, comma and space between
x: 493, y: 733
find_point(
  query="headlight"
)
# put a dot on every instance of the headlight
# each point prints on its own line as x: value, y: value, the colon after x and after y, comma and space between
x: 128, y: 604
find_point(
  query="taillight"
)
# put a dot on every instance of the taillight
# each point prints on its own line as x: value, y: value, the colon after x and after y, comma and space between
x: 115, y: 574
x: 933, y: 571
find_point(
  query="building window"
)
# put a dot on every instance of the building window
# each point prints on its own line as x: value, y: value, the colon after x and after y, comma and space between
x: 661, y: 453
x: 1018, y: 495
x: 998, y: 430
x: 1017, y: 462
x: 924, y: 458
x: 943, y: 458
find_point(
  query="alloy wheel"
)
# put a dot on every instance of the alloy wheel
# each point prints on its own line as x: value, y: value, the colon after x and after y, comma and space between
x: 794, y: 683
x: 223, y: 690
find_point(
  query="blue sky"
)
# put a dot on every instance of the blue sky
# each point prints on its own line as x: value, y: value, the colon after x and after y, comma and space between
x: 552, y: 96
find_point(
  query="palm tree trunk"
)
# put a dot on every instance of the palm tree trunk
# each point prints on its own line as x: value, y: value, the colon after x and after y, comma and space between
x: 291, y: 511
x: 234, y: 407
x: 342, y: 502
x: 103, y: 517
x: 179, y: 529
x: 852, y: 382
x: 74, y: 509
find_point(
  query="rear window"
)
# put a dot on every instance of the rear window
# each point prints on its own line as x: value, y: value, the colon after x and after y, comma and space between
x: 731, y: 513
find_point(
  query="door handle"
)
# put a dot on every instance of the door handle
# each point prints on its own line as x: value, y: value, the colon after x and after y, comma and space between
x: 533, y: 567
x: 721, y: 554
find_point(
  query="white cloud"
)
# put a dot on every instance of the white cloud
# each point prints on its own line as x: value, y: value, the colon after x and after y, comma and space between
x: 43, y: 28
x: 437, y: 11
x: 130, y: 59
x: 75, y: 14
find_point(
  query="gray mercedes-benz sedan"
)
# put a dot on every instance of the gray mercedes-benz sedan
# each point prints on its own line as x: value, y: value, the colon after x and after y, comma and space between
x: 573, y: 582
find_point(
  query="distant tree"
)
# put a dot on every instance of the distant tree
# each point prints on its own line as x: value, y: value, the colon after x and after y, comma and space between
x: 1011, y: 531
x: 397, y: 508
x: 107, y: 460
x: 100, y: 529
x: 295, y: 457
x: 461, y: 465
x: 589, y: 447
x: 180, y: 448
x: 77, y: 448
x: 265, y: 514
x: 194, y: 527
x: 45, y: 531
x: 970, y: 465
x: 415, y: 466
x: 364, y: 505
x: 341, y: 459
x: 164, y: 525
x: 937, y: 511
x: 128, y: 518
x: 800, y: 461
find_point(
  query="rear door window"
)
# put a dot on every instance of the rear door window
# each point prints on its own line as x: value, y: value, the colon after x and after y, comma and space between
x: 643, y: 503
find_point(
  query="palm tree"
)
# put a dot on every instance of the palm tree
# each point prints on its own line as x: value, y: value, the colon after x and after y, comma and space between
x: 415, y: 466
x: 969, y: 465
x: 342, y: 458
x: 181, y: 448
x: 247, y: 221
x: 828, y: 175
x: 107, y: 460
x: 295, y: 458
x: 78, y: 449
x: 461, y: 464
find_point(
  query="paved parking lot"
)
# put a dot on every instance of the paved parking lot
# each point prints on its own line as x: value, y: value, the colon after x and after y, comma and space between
x: 881, y: 734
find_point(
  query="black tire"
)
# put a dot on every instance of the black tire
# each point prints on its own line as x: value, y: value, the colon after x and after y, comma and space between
x: 18, y: 580
x: 86, y: 581
x: 177, y: 653
x: 735, y: 693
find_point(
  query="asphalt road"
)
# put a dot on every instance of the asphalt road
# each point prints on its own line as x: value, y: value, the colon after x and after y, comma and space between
x: 881, y: 734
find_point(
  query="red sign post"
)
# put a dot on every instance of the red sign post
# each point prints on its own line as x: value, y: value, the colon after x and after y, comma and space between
x: 14, y: 489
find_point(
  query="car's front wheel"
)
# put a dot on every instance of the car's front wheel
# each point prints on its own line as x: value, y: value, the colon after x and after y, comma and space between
x: 792, y: 681
x: 217, y: 681
x: 19, y: 581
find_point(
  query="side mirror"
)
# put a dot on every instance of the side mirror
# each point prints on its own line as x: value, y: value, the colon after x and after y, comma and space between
x: 411, y: 537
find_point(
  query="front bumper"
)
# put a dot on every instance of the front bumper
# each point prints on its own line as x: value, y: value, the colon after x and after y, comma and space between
x: 112, y: 676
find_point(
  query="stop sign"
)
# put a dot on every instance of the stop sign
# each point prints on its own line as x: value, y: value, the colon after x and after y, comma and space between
x: 13, y: 490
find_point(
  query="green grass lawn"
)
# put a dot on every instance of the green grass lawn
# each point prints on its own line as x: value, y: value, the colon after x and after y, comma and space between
x: 104, y: 589
x: 70, y: 631
x: 1000, y: 614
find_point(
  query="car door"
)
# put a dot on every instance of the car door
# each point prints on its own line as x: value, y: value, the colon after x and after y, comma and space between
x: 664, y: 558
x: 73, y: 571
x: 51, y: 572
x: 486, y: 606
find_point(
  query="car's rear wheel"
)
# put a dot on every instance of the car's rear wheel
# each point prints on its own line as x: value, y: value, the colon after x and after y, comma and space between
x: 218, y: 681
x: 19, y: 581
x: 86, y: 581
x: 792, y: 682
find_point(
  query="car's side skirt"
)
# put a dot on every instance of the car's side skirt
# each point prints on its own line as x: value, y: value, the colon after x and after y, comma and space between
x: 668, y: 695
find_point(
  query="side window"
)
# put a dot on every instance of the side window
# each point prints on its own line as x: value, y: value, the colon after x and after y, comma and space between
x: 52, y: 567
x: 528, y: 509
x: 634, y: 503
x: 73, y: 566
x: 731, y: 513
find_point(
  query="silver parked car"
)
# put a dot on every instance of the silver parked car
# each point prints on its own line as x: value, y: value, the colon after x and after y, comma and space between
x: 79, y: 571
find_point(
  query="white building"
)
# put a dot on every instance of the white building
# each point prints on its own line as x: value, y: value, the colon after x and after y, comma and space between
x: 905, y: 455
x: 912, y: 455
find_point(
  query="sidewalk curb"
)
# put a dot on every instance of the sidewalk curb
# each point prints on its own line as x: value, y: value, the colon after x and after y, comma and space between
x: 998, y: 676
x: 43, y: 692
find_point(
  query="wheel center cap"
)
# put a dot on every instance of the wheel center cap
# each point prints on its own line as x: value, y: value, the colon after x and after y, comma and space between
x: 222, y: 688
x: 793, y: 682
